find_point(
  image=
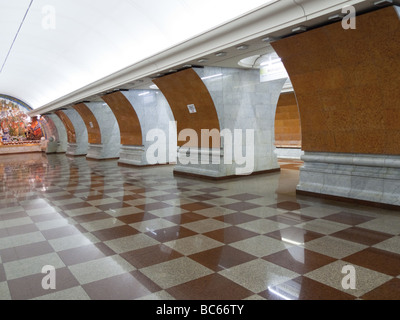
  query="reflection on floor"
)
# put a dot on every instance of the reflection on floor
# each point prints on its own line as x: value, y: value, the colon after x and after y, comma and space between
x: 124, y: 233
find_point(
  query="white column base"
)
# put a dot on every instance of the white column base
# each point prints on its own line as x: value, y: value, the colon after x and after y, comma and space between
x: 133, y: 155
x: 213, y: 164
x: 100, y: 152
x: 289, y: 153
x: 75, y: 150
x: 370, y: 178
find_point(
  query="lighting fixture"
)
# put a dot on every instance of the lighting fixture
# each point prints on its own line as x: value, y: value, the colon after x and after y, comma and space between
x: 202, y: 60
x: 242, y: 47
x: 221, y: 54
x: 299, y: 29
x: 269, y: 39
x: 336, y: 17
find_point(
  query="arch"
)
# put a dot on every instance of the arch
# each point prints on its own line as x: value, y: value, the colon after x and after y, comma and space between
x: 128, y: 121
x: 345, y: 83
x: 92, y: 126
x: 186, y: 88
x: 287, y: 122
x: 68, y: 126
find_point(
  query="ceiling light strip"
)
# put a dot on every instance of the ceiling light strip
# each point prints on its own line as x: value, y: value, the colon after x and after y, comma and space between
x: 16, y: 36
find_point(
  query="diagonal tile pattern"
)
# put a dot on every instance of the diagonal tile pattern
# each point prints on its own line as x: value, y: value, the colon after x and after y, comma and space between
x: 117, y: 233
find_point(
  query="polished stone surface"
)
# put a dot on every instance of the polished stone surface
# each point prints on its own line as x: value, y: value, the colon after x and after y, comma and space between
x: 119, y: 233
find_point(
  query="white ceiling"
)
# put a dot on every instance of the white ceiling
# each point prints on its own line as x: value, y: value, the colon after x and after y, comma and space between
x: 92, y: 39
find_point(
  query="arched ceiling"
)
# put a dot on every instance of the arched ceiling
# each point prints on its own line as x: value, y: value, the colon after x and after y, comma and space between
x: 56, y: 53
x: 62, y: 45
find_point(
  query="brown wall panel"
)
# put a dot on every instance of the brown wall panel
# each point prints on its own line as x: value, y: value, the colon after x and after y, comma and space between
x: 68, y: 126
x: 346, y: 84
x: 91, y: 123
x: 287, y: 122
x: 129, y: 125
x: 185, y: 88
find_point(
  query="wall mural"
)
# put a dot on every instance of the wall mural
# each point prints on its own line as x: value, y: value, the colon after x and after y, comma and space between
x: 15, y: 123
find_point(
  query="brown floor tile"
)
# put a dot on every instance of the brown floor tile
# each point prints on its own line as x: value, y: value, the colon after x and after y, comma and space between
x: 26, y: 251
x: 60, y: 232
x: 241, y: 206
x: 91, y: 217
x: 231, y: 235
x: 30, y: 287
x: 295, y: 235
x: 14, y: 231
x: 388, y: 291
x: 211, y: 190
x: 236, y: 218
x: 299, y: 260
x: 245, y: 197
x: 196, y: 206
x: 122, y: 287
x: 129, y: 197
x: 2, y: 273
x: 113, y: 206
x: 290, y: 218
x: 73, y: 206
x: 149, y: 256
x: 95, y: 197
x: 185, y: 218
x: 212, y: 287
x: 142, y: 190
x: 378, y: 260
x: 84, y: 254
x: 115, y: 233
x: 166, y: 197
x: 205, y: 197
x: 303, y: 288
x: 363, y: 236
x: 222, y: 258
x: 289, y: 206
x: 153, y: 206
x: 13, y: 215
x: 137, y: 217
x: 170, y: 234
x: 348, y: 218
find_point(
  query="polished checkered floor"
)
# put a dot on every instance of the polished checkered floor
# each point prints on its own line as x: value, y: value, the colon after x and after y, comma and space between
x: 123, y: 233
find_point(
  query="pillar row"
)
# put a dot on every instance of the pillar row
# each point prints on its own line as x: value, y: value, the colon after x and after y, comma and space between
x: 346, y: 86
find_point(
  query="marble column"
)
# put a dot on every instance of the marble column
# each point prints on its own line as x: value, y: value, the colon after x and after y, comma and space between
x: 158, y: 130
x: 110, y: 146
x: 61, y: 139
x: 80, y: 148
x: 246, y: 114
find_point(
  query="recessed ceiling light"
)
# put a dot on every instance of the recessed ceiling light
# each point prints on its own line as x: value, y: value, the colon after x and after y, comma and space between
x: 221, y: 54
x: 202, y: 60
x: 242, y: 47
x: 269, y: 39
x: 299, y: 29
x: 336, y: 17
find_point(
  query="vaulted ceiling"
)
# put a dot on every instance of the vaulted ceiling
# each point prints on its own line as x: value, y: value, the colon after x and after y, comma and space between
x: 53, y: 48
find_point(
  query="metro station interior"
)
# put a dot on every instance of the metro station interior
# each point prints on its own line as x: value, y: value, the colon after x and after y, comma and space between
x: 200, y: 150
